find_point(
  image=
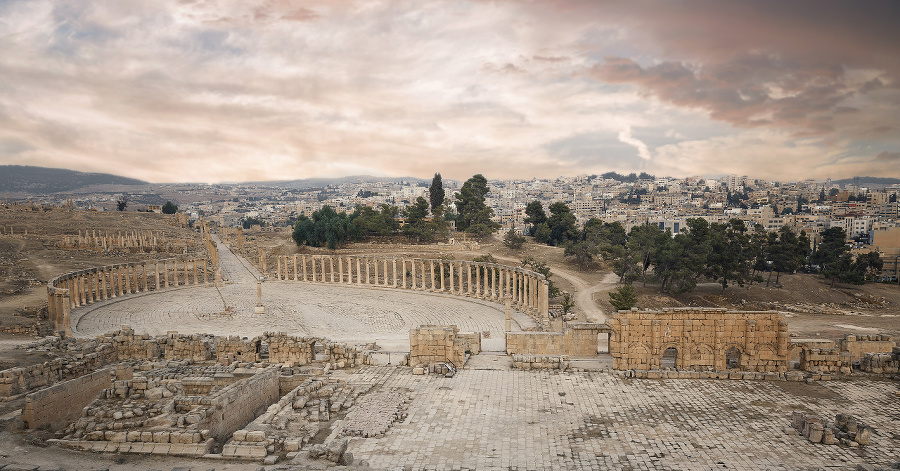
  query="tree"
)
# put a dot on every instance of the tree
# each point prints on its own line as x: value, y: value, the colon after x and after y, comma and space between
x: 169, y: 208
x: 121, y: 202
x: 436, y: 195
x: 541, y: 233
x: 562, y: 224
x: 252, y: 221
x: 369, y: 222
x: 623, y: 298
x: 326, y: 227
x: 534, y: 213
x: 635, y: 260
x: 416, y: 227
x: 728, y: 258
x: 473, y: 215
x: 832, y: 254
x: 583, y: 251
x: 870, y: 264
x: 513, y: 240
x: 567, y: 302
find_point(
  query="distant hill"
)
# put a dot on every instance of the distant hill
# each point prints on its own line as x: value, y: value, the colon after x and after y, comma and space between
x: 868, y: 181
x: 35, y: 180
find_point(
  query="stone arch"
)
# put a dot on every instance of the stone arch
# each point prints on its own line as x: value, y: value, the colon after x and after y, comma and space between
x: 638, y: 356
x: 733, y: 356
x: 669, y: 358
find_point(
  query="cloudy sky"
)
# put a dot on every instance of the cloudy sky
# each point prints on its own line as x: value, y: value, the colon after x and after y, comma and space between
x: 236, y: 90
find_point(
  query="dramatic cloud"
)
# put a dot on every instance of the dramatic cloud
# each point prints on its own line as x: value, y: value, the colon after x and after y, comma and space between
x: 213, y: 90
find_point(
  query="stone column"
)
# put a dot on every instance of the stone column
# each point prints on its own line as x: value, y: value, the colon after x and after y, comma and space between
x: 394, y: 261
x: 479, y: 273
x: 358, y: 272
x: 195, y: 270
x: 102, y: 285
x: 331, y: 265
x: 384, y: 266
x: 127, y: 275
x: 403, y: 266
x: 67, y: 317
x: 295, y: 267
x: 413, y: 263
x: 368, y: 276
x: 545, y: 299
x: 175, y: 273
x: 304, y: 266
x: 508, y: 314
x: 452, y: 287
x: 469, y: 272
x: 144, y: 275
x: 340, y: 269
x: 278, y: 267
x: 312, y: 268
x: 157, y: 276
x: 431, y: 264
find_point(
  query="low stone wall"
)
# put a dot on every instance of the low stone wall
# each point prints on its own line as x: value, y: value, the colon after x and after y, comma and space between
x: 239, y: 403
x: 59, y: 404
x: 860, y: 345
x: 541, y: 362
x: 826, y: 360
x: 431, y: 344
x: 578, y: 339
x: 15, y: 381
x: 882, y: 363
x: 845, y: 430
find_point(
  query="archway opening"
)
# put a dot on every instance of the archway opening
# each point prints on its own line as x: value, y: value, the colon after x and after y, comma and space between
x: 732, y: 358
x: 670, y: 355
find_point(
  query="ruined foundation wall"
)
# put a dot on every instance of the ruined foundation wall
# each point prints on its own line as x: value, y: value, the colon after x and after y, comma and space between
x: 860, y: 345
x: 59, y: 404
x: 702, y: 339
x: 239, y: 403
x: 435, y: 344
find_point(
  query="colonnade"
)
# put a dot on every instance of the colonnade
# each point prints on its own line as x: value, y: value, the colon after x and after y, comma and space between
x: 83, y: 287
x: 527, y: 290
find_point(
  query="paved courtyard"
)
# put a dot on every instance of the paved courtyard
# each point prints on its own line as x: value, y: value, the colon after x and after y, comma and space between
x: 348, y: 314
x: 490, y: 417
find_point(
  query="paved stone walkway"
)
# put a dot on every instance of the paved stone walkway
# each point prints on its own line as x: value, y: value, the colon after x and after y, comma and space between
x: 487, y: 418
x: 342, y: 313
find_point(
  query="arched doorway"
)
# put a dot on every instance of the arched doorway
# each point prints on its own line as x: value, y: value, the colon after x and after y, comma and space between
x: 733, y: 358
x: 669, y: 358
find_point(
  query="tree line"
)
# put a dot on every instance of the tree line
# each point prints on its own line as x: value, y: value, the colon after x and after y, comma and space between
x: 728, y: 253
x: 329, y: 228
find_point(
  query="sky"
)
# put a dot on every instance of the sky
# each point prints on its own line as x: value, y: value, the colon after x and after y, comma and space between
x: 234, y: 90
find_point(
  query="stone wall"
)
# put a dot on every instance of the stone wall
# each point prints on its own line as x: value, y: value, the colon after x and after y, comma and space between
x: 578, y: 339
x: 431, y: 344
x: 859, y: 345
x: 15, y: 381
x: 702, y: 339
x: 232, y: 407
x: 826, y: 360
x: 541, y: 362
x: 57, y: 405
x: 882, y: 363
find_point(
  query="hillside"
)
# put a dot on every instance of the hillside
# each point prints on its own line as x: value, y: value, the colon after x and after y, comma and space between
x: 37, y: 180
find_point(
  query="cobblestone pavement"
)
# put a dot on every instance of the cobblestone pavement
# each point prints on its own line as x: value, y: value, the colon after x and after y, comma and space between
x: 342, y: 313
x: 508, y: 419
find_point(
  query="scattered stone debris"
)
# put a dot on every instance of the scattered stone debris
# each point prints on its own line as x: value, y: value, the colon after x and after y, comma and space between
x: 375, y: 414
x: 846, y: 429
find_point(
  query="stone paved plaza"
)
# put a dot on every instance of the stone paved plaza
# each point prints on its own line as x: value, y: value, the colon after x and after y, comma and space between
x: 495, y: 418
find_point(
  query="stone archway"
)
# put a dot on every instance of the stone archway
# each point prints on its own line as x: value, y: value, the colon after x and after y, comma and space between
x: 669, y: 358
x: 733, y: 358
